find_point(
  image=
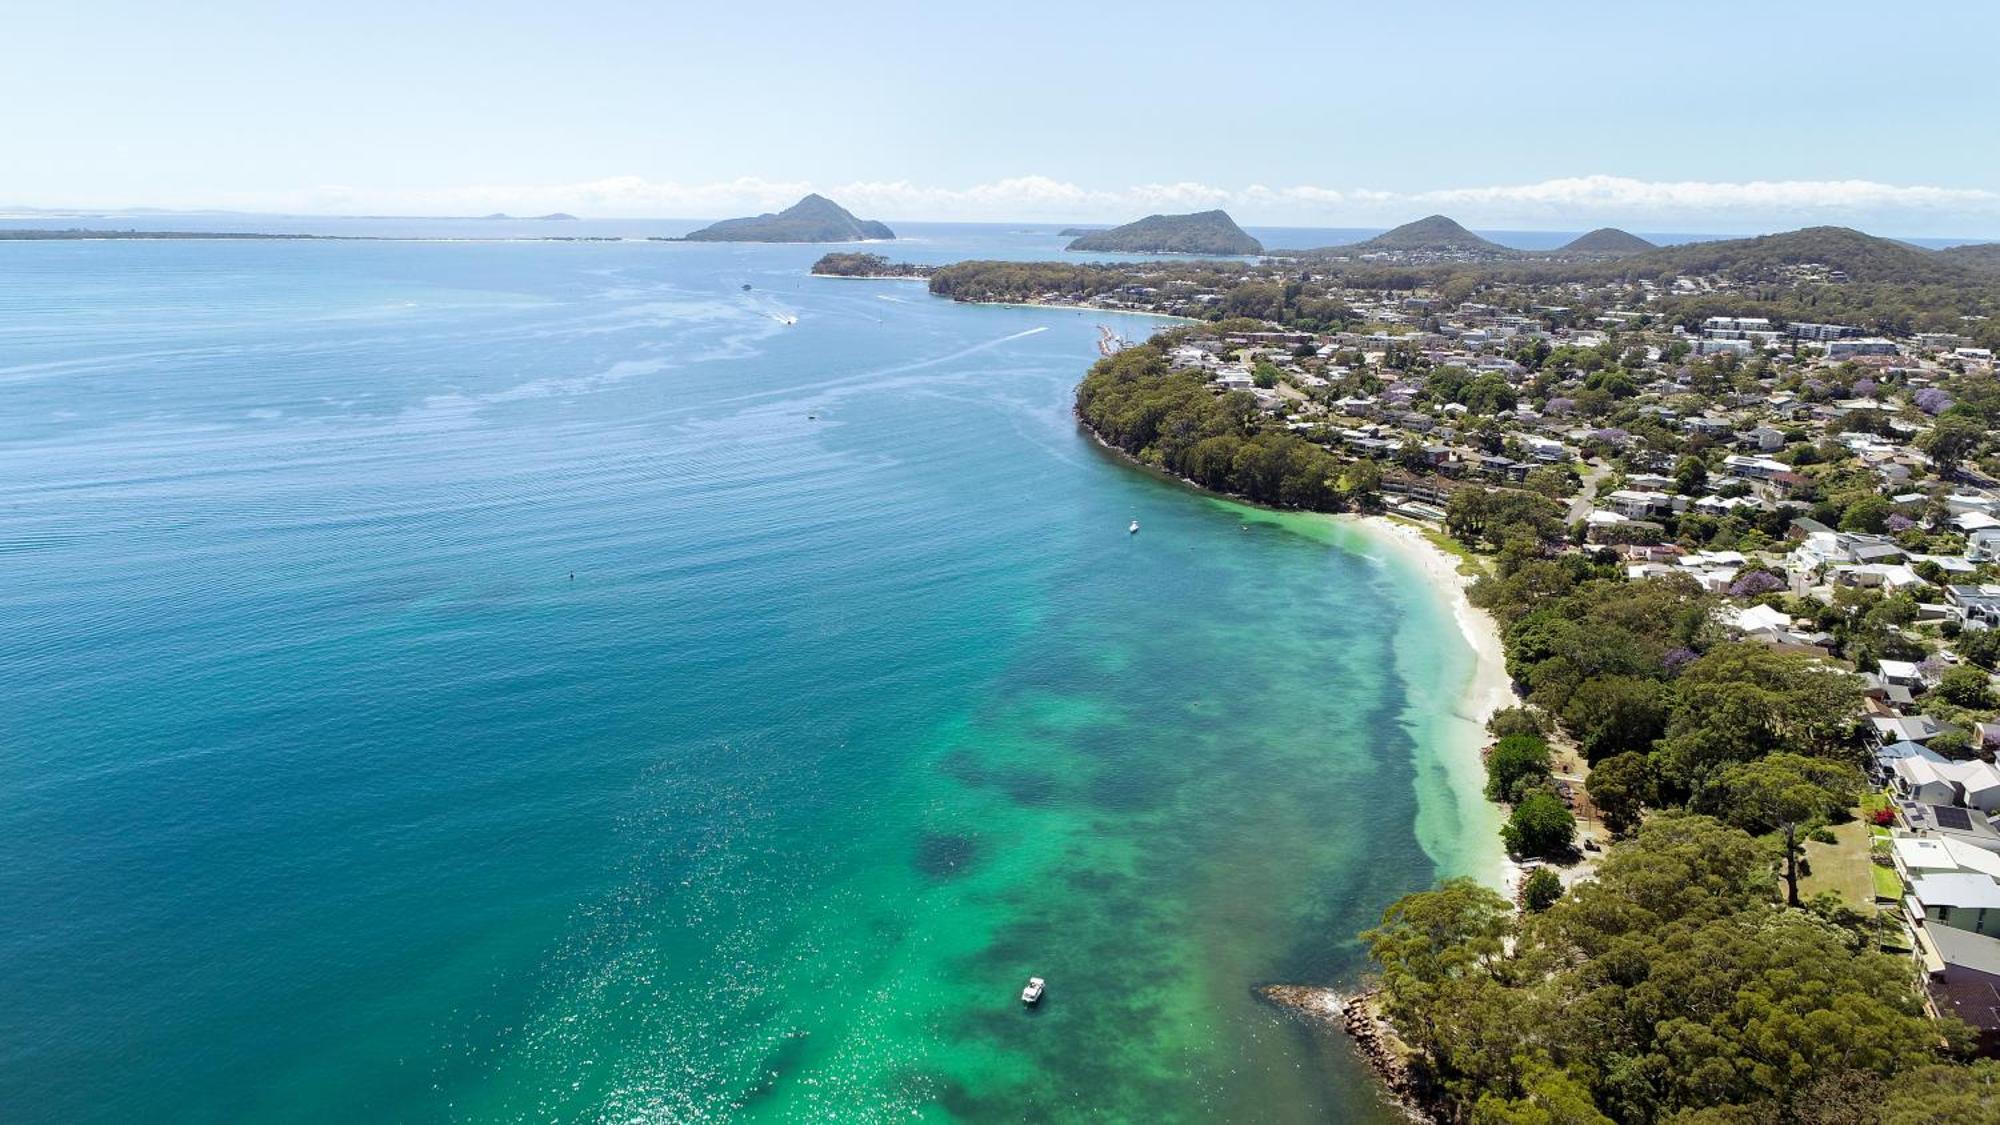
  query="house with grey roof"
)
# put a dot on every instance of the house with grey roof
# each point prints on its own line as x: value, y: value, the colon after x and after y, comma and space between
x: 1966, y: 826
x: 1963, y: 900
x: 1905, y: 728
x: 1974, y: 785
x: 1962, y: 971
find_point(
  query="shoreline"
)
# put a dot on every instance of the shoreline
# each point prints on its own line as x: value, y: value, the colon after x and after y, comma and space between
x: 1461, y: 754
x: 1458, y: 738
x: 1487, y: 689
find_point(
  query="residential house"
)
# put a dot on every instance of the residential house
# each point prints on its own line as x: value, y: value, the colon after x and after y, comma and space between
x: 1765, y: 438
x: 1753, y: 468
x: 1983, y: 545
x: 1963, y: 900
x: 1946, y: 822
x: 1978, y: 606
x: 1963, y: 973
x: 1635, y: 504
x: 1905, y: 728
x: 1973, y: 784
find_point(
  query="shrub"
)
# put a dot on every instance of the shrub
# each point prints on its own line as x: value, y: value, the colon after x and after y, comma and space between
x: 1541, y: 825
x: 1541, y: 890
x: 1965, y: 687
x: 1517, y: 762
x: 1756, y: 582
x: 1952, y: 743
x: 1514, y: 720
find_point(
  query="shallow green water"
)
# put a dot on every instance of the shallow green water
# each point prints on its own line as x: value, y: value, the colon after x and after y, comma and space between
x: 328, y: 793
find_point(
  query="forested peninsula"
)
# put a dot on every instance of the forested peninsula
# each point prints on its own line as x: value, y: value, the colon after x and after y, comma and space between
x: 1171, y: 420
x: 1203, y: 232
x: 814, y: 218
x: 867, y: 265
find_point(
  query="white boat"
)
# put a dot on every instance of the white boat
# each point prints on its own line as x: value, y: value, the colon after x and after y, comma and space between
x: 1033, y: 993
x: 1134, y: 529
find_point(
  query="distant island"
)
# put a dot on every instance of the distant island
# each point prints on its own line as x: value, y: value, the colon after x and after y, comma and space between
x: 1432, y: 235
x: 868, y: 265
x: 1077, y: 232
x: 812, y: 219
x: 1204, y: 232
x: 1608, y: 241
x: 1439, y: 238
x: 557, y: 216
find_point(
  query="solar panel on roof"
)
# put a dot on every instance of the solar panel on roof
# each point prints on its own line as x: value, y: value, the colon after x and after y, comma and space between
x: 1953, y: 818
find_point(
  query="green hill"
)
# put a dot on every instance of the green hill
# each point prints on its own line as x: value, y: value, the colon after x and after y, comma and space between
x: 1982, y: 256
x: 812, y: 219
x: 1607, y: 241
x: 1862, y: 257
x: 1433, y: 234
x: 1204, y: 232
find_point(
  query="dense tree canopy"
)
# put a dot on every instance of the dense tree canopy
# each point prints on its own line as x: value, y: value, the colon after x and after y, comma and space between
x: 1740, y: 702
x: 1173, y: 421
x: 1670, y: 984
x: 1786, y: 794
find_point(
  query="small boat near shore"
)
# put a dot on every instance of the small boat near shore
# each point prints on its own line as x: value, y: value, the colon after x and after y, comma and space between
x: 1033, y: 993
x: 1134, y: 529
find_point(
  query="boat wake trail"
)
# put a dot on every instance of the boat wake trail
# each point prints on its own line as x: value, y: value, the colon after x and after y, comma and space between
x: 873, y: 376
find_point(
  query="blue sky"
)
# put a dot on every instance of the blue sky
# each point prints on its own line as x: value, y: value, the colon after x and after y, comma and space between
x: 1693, y: 116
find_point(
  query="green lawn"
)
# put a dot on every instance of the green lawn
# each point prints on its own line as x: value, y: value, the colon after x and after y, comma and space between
x: 1887, y: 884
x: 1842, y: 867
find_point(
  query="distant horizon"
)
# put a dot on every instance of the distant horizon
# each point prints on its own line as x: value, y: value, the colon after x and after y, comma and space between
x: 1049, y: 111
x: 1689, y: 234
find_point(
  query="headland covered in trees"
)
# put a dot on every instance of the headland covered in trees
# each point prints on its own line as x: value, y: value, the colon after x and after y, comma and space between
x: 1203, y: 232
x: 1735, y: 511
x: 865, y: 265
x: 814, y: 218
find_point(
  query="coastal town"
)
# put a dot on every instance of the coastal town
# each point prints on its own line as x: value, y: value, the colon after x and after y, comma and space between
x: 1807, y: 511
x: 1068, y: 564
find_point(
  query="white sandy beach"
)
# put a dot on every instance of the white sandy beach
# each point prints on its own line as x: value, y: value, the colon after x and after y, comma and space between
x: 1488, y: 690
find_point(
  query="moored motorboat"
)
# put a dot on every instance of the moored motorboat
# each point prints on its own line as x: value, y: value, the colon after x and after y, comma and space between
x: 1134, y: 529
x: 1033, y: 993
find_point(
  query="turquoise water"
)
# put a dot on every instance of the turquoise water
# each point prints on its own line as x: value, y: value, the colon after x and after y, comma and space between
x: 510, y: 682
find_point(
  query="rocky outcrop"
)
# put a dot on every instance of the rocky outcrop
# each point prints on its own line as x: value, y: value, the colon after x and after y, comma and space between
x: 1374, y: 1039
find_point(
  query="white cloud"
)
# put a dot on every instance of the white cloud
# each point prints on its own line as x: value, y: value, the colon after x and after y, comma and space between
x: 1694, y: 197
x: 1567, y: 203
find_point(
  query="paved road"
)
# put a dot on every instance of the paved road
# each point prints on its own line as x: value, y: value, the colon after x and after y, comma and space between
x: 1581, y: 504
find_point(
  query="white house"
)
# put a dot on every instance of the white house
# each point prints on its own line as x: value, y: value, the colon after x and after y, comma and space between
x: 1916, y: 856
x: 1974, y: 785
x: 1919, y: 780
x: 1636, y: 504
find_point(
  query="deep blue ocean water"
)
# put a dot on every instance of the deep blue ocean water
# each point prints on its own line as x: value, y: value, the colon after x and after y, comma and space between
x: 532, y: 681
